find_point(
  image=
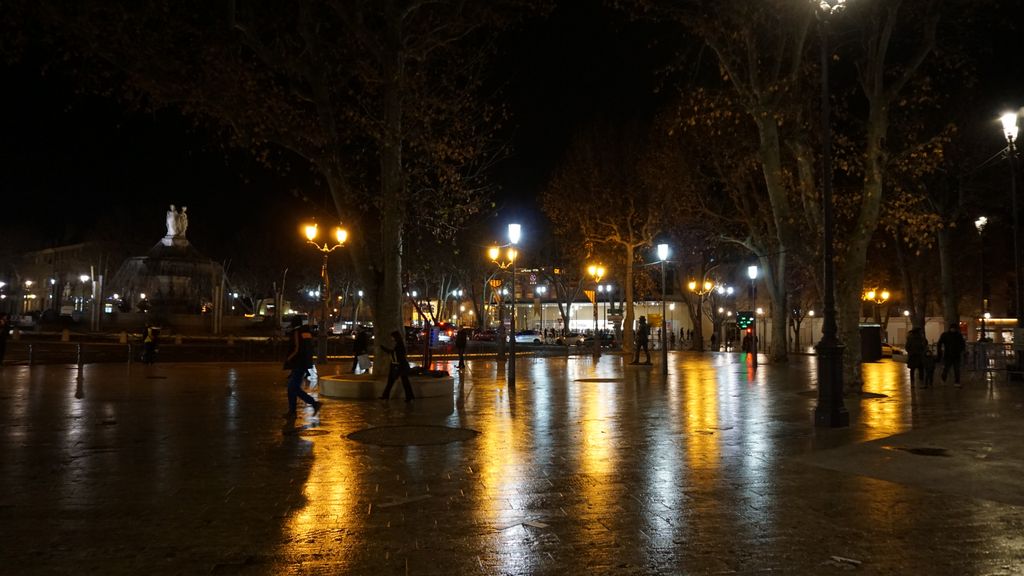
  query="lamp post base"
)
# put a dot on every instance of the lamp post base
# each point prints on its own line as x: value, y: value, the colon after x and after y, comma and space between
x: 830, y: 411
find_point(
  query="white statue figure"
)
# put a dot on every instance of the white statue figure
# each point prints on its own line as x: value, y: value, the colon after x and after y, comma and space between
x: 182, y: 221
x: 172, y: 222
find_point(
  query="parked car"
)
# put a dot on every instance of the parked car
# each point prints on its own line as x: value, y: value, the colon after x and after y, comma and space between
x: 487, y: 335
x: 607, y: 340
x: 529, y: 337
x: 570, y: 339
x: 890, y: 351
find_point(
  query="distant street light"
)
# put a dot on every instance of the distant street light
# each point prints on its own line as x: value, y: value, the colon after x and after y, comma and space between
x: 662, y: 256
x: 340, y: 235
x: 596, y: 271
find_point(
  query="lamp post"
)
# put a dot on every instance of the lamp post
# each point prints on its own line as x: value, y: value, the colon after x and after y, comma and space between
x: 980, y: 225
x: 597, y: 272
x: 662, y: 256
x: 541, y: 291
x: 878, y: 297
x: 830, y: 410
x: 514, y: 235
x: 1009, y: 121
x: 700, y: 290
x: 340, y: 235
x: 752, y: 274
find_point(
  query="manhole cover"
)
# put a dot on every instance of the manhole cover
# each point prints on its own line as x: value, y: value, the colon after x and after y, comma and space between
x: 412, y: 435
x: 926, y: 451
x: 599, y: 380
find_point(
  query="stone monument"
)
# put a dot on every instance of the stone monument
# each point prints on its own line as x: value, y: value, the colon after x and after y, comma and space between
x: 174, y: 276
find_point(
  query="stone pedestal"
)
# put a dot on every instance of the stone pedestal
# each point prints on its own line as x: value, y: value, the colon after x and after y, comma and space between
x: 368, y: 387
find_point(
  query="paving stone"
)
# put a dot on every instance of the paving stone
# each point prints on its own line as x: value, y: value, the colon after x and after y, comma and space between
x: 584, y: 468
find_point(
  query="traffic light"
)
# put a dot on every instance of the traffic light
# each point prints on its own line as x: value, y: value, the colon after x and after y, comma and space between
x: 744, y: 319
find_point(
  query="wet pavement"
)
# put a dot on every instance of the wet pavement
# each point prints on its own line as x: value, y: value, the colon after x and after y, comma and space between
x: 584, y: 469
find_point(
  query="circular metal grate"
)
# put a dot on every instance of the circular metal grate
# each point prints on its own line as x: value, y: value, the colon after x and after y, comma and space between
x: 412, y: 435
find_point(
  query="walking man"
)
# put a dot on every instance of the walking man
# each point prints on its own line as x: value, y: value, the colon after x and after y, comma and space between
x: 461, y: 340
x: 299, y: 360
x: 643, y: 337
x: 951, y: 349
x: 399, y: 367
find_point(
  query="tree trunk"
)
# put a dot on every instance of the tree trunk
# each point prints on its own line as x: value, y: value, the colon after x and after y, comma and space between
x: 627, y: 325
x: 389, y: 297
x: 949, y: 297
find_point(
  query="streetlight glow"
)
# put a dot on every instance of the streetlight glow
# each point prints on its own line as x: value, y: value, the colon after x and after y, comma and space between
x: 311, y: 232
x: 1009, y: 121
x: 515, y: 232
x: 662, y: 252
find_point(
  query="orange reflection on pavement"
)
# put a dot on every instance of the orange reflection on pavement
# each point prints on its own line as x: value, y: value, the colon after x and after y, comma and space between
x: 330, y: 501
x: 889, y: 415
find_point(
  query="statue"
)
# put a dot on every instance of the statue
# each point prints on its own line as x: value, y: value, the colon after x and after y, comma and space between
x: 182, y: 221
x: 172, y: 222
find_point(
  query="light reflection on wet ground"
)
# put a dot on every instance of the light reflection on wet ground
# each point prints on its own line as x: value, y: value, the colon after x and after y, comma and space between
x: 584, y: 467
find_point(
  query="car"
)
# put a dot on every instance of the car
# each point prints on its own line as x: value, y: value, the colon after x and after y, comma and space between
x: 488, y: 335
x: 607, y: 340
x: 529, y: 337
x: 890, y: 351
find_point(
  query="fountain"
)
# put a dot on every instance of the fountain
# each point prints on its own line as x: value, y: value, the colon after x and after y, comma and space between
x: 173, y: 278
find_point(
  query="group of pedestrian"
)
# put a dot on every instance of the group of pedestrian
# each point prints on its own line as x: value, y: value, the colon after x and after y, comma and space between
x: 949, y: 350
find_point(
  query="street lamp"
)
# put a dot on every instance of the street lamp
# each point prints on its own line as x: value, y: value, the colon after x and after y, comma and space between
x: 514, y: 235
x: 700, y: 290
x: 752, y: 274
x: 1009, y: 121
x: 340, y: 235
x: 596, y: 271
x: 662, y: 256
x: 878, y: 297
x: 830, y: 410
x: 980, y: 225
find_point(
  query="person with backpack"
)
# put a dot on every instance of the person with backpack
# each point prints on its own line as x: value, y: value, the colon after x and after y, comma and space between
x: 299, y: 361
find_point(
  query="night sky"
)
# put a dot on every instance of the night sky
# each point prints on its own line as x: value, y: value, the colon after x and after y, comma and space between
x: 80, y: 167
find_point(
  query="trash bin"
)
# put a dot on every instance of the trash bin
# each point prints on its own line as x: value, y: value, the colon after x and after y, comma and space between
x: 870, y: 343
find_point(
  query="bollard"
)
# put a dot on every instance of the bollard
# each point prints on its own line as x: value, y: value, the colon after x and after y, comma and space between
x: 129, y: 353
x: 79, y: 356
x: 29, y: 354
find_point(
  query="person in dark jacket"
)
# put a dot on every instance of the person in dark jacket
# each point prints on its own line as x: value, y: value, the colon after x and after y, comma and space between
x: 5, y: 329
x: 360, y: 347
x: 399, y: 367
x: 643, y: 337
x: 917, y: 348
x: 461, y: 340
x: 951, y: 349
x: 299, y: 360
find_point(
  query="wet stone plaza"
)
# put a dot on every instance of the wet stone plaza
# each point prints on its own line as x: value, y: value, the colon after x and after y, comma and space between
x: 584, y: 468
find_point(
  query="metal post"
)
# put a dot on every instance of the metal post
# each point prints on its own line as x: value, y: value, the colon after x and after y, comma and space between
x: 29, y: 354
x: 324, y: 296
x: 597, y: 340
x: 830, y: 410
x: 79, y: 359
x: 512, y: 340
x: 664, y: 324
x: 1011, y: 150
x: 753, y: 325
